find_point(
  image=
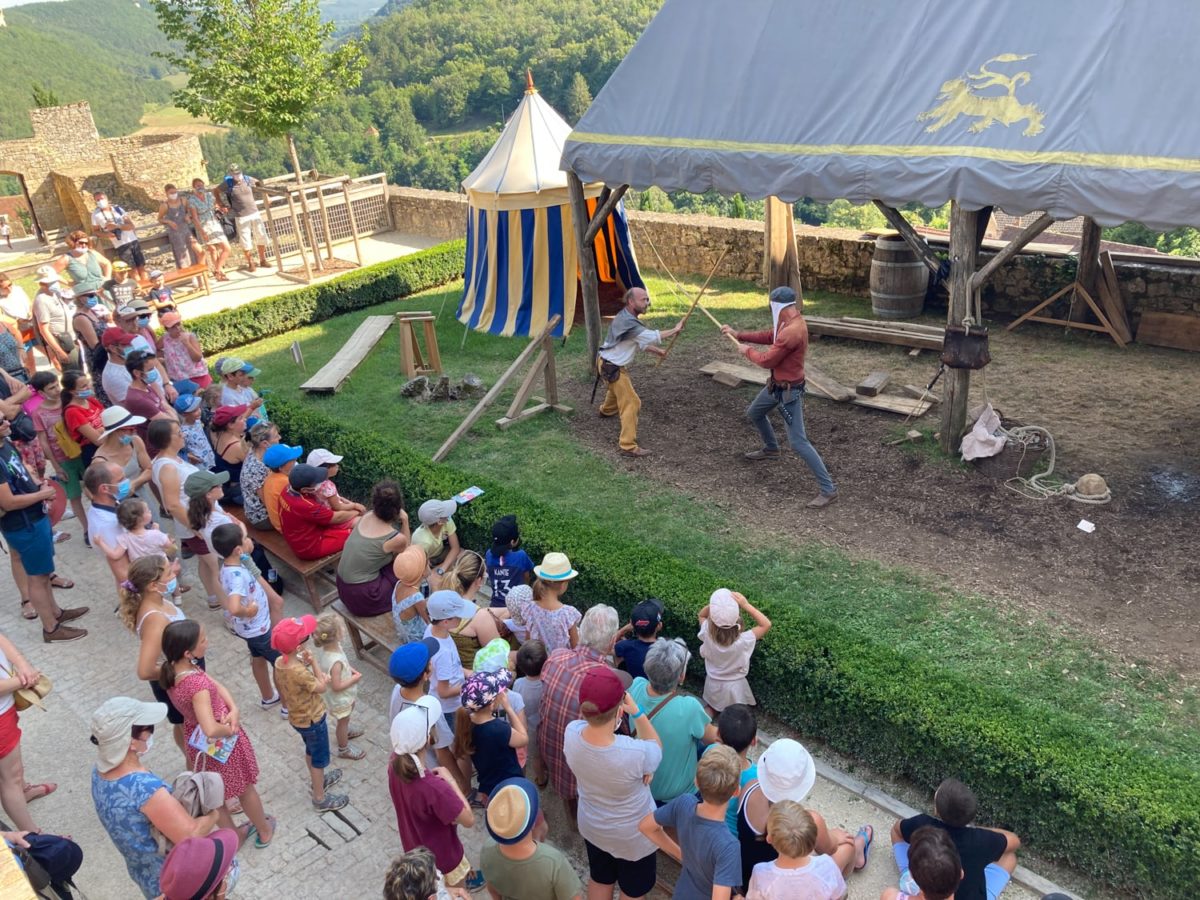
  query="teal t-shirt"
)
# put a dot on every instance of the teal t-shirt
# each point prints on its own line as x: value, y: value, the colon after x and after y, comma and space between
x: 680, y: 724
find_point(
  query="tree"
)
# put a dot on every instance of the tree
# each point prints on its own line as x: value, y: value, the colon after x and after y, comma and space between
x: 579, y: 98
x: 44, y: 97
x: 259, y: 64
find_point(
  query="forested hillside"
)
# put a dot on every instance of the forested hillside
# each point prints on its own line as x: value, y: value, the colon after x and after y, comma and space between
x: 95, y: 50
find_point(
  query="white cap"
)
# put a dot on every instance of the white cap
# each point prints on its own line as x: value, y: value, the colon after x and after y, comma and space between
x: 322, y: 457
x: 410, y: 729
x: 432, y: 511
x: 723, y: 609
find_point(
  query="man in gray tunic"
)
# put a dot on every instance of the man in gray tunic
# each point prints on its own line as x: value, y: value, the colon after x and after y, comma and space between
x: 238, y: 196
x: 626, y: 336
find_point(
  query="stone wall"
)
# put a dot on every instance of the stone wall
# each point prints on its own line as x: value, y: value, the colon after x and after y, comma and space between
x: 831, y: 259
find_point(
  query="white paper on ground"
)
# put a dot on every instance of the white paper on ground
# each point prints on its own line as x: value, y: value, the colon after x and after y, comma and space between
x: 1085, y: 525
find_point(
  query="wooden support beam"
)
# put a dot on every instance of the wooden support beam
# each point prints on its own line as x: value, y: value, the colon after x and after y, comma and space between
x: 963, y: 228
x: 781, y: 265
x: 607, y: 203
x: 589, y: 280
x: 918, y: 243
x: 1089, y: 256
x: 1011, y: 249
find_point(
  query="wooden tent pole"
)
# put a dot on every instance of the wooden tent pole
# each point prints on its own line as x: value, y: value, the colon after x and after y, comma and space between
x: 589, y: 279
x: 1089, y: 258
x: 963, y: 255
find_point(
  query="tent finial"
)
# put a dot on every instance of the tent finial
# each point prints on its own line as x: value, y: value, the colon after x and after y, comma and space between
x: 529, y: 88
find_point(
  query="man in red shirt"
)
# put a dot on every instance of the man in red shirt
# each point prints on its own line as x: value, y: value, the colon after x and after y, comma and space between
x: 788, y: 345
x: 311, y: 528
x: 140, y: 398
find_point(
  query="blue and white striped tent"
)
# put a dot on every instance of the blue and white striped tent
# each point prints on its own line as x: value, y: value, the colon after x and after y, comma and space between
x: 522, y: 264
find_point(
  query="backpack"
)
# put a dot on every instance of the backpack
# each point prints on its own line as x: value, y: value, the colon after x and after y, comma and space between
x: 67, y: 444
x: 51, y: 861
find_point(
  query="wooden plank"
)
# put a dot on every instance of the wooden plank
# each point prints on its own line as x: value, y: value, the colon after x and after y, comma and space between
x: 1160, y: 329
x: 727, y: 379
x: 914, y: 240
x: 751, y: 374
x: 817, y: 382
x: 1120, y: 313
x: 901, y: 406
x: 506, y: 421
x: 1112, y: 309
x: 873, y: 384
x: 919, y: 393
x: 935, y: 330
x: 834, y: 328
x: 335, y: 372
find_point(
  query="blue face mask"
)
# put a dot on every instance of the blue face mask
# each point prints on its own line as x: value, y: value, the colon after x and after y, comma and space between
x: 246, y: 559
x: 152, y: 376
x: 252, y: 421
x: 84, y: 395
x: 126, y: 439
x: 143, y: 321
x: 172, y: 586
x: 92, y: 302
x: 122, y: 490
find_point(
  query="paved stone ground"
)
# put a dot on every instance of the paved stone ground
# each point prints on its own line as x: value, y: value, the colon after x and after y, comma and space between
x: 336, y: 855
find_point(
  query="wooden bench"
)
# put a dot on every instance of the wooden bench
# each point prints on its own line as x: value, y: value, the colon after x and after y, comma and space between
x: 319, y: 575
x: 178, y: 276
x: 369, y: 633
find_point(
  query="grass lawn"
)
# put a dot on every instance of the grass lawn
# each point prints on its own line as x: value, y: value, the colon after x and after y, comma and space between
x: 1033, y: 660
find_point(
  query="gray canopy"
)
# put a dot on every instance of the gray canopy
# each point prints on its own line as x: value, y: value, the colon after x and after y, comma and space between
x: 1075, y: 107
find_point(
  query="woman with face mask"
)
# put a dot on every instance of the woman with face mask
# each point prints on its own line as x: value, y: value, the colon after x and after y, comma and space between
x: 82, y: 414
x: 87, y: 268
x: 177, y: 216
x: 121, y: 446
x: 129, y: 798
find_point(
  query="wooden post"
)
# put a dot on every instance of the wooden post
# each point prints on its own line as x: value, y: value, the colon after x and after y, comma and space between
x: 910, y: 235
x: 589, y: 279
x: 271, y: 232
x: 325, y: 224
x: 1089, y: 258
x: 781, y: 267
x: 353, y: 222
x: 299, y: 237
x: 963, y: 253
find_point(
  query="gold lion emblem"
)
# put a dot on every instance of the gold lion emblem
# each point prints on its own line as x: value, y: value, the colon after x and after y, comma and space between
x: 963, y: 97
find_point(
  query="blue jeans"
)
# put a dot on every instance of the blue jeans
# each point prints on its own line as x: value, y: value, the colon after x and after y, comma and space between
x: 791, y: 406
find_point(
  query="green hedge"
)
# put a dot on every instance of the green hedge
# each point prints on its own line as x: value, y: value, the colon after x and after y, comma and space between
x: 356, y: 290
x: 1126, y: 816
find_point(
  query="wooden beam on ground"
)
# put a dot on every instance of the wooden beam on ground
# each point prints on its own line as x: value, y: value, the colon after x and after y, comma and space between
x: 918, y: 243
x: 608, y: 202
x: 1011, y: 249
x: 331, y: 376
x: 817, y: 382
x: 1160, y: 329
x: 589, y: 279
x: 882, y: 334
x: 501, y: 383
x: 873, y: 384
x: 901, y: 406
x: 963, y: 227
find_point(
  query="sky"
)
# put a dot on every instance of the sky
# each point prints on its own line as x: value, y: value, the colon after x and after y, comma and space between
x: 4, y: 4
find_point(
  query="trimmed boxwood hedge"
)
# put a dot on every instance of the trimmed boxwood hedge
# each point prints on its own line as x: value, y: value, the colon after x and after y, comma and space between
x: 1124, y: 815
x: 356, y: 290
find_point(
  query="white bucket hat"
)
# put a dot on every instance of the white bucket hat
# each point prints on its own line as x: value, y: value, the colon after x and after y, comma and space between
x: 786, y: 771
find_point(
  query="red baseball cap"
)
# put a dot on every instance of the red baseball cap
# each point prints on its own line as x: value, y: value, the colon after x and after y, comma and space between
x: 226, y: 414
x: 602, y: 688
x: 116, y: 337
x: 290, y: 634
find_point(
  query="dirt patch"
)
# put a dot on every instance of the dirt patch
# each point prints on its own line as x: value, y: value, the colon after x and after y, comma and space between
x: 1130, y: 415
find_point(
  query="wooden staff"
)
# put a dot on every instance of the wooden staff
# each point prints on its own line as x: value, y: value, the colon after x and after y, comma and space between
x: 713, y: 319
x: 692, y: 309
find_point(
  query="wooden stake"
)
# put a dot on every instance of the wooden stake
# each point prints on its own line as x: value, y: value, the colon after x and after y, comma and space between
x: 695, y: 303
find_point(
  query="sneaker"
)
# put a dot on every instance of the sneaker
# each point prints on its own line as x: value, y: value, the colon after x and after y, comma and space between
x: 71, y: 614
x: 267, y: 704
x: 63, y: 633
x: 213, y: 602
x: 822, y: 500
x: 331, y: 802
x: 350, y: 752
x: 68, y: 513
x: 332, y: 777
x: 761, y: 453
x: 636, y: 452
x: 474, y: 882
x: 283, y: 713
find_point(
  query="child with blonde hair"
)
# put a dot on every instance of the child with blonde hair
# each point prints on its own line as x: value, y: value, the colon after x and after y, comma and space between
x: 141, y: 537
x: 798, y: 873
x: 551, y: 621
x: 343, y: 681
x: 726, y: 649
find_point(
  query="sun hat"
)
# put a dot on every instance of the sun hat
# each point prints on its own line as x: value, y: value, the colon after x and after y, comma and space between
x: 431, y: 511
x: 723, y: 609
x: 449, y: 605
x: 492, y: 656
x: 113, y: 723
x: 186, y: 403
x: 170, y: 320
x: 482, y: 688
x: 410, y: 566
x: 555, y: 567
x: 120, y: 266
x: 602, y: 688
x: 278, y: 455
x: 512, y: 810
x: 291, y: 633
x: 47, y: 275
x: 196, y: 865
x: 126, y: 311
x: 231, y: 364
x: 303, y: 476
x: 202, y: 481
x: 140, y: 306
x: 786, y: 771
x: 223, y: 415
x: 409, y: 661
x: 410, y: 729
x: 155, y: 273
x: 516, y: 598
x: 646, y: 617
x: 117, y: 417
x: 322, y: 457
x: 116, y: 337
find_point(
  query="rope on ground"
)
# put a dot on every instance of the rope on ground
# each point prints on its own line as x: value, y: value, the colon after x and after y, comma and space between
x: 1025, y: 436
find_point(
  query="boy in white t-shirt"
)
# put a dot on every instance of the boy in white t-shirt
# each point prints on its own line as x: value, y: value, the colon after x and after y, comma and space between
x: 446, y: 609
x: 252, y: 606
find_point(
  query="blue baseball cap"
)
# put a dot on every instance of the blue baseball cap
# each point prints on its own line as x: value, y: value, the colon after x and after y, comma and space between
x: 186, y: 403
x: 409, y: 661
x: 280, y: 454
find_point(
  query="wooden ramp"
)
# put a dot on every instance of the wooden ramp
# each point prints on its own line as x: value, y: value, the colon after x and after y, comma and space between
x: 335, y: 372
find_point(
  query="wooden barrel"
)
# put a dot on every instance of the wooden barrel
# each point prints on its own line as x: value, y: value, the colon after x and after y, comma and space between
x: 898, y: 279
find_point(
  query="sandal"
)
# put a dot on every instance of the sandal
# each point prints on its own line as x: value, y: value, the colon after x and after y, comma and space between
x: 47, y: 789
x: 244, y: 832
x: 867, y: 833
x: 259, y: 843
x: 61, y: 583
x: 27, y: 610
x: 60, y: 536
